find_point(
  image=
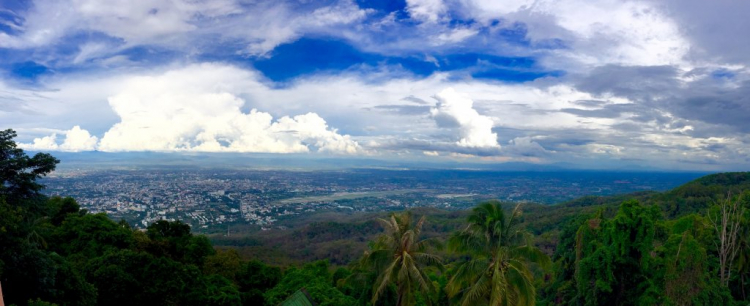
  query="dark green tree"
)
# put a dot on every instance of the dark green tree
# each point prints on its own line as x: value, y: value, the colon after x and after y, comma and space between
x: 18, y: 171
x: 91, y: 236
x: 60, y: 208
x: 614, y: 262
x: 497, y: 272
x: 174, y: 240
x: 562, y: 290
x: 225, y: 263
x: 317, y: 281
x: 254, y: 278
x: 26, y: 270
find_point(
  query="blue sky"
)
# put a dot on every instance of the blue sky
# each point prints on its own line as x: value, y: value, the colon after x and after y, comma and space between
x: 605, y: 84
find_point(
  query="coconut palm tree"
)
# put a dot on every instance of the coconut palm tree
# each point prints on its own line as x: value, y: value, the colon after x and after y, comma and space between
x: 497, y: 272
x: 399, y: 257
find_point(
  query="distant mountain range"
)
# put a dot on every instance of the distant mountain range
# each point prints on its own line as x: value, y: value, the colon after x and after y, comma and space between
x: 303, y: 162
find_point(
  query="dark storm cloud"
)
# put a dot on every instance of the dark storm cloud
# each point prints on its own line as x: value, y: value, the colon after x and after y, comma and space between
x: 634, y: 82
x: 723, y: 106
x: 660, y: 96
x: 717, y: 30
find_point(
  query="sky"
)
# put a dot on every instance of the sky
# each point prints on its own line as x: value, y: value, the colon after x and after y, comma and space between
x: 595, y: 84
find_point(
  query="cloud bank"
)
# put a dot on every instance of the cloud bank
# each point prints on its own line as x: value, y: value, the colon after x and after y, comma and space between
x: 76, y: 140
x: 193, y: 109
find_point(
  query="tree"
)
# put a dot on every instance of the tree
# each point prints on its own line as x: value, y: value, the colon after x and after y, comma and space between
x: 726, y: 218
x: 18, y: 171
x: 497, y: 273
x: 91, y: 235
x: 743, y: 258
x: 685, y: 270
x: 220, y: 292
x: 173, y: 239
x: 254, y: 278
x: 399, y: 257
x: 614, y: 262
x: 60, y: 208
x: 225, y: 263
x: 317, y: 281
x: 562, y: 289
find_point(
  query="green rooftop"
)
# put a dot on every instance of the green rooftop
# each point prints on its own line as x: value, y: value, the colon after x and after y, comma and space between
x: 298, y: 298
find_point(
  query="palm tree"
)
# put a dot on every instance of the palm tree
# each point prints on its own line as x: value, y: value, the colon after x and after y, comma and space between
x: 497, y: 272
x: 399, y: 257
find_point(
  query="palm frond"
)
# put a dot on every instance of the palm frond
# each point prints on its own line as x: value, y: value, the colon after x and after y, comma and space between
x: 383, y: 280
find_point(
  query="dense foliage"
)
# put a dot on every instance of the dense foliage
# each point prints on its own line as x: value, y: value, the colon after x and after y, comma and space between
x: 640, y: 249
x: 496, y: 272
x: 52, y: 252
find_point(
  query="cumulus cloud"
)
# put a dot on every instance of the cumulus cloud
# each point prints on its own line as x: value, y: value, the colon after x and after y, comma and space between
x: 455, y: 110
x: 193, y: 109
x: 46, y: 143
x: 76, y: 140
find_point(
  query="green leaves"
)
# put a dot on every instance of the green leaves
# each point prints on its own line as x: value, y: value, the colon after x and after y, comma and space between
x: 399, y: 258
x: 18, y: 171
x: 317, y: 281
x: 497, y: 272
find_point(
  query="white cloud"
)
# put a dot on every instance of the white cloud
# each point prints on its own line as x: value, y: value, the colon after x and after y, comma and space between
x: 273, y: 25
x: 46, y: 143
x: 90, y: 50
x: 183, y: 24
x: 597, y: 32
x: 426, y: 10
x: 76, y: 140
x: 454, y: 36
x: 454, y: 110
x: 196, y: 109
x: 133, y: 21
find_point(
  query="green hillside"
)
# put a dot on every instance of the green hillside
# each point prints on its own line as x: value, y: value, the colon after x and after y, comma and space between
x: 644, y: 248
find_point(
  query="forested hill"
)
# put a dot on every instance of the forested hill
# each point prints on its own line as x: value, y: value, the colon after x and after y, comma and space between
x: 645, y: 248
x: 341, y: 238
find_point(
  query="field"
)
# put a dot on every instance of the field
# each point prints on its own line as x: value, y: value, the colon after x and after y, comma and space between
x: 348, y: 196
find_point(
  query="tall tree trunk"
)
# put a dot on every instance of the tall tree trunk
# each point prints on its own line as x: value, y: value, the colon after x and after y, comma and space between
x: 727, y: 222
x: 2, y: 303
